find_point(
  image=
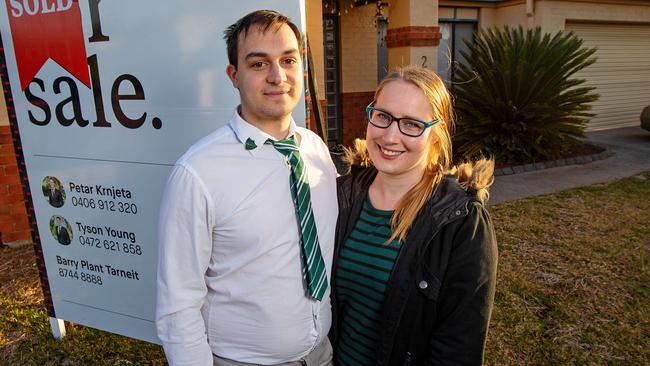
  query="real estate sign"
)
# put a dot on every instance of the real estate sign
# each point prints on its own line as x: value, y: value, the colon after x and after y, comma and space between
x: 103, y: 97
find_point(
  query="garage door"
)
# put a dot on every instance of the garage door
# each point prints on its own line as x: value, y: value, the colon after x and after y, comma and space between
x: 621, y: 74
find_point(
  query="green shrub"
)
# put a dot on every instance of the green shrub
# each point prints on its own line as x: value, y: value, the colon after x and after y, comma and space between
x: 515, y: 99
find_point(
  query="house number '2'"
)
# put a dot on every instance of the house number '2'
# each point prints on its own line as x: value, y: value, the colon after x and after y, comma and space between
x: 424, y: 61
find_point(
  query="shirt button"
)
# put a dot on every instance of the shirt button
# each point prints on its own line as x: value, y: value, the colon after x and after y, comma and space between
x: 423, y: 284
x: 457, y: 212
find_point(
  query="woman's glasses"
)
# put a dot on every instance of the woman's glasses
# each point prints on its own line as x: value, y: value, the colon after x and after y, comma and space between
x: 409, y: 126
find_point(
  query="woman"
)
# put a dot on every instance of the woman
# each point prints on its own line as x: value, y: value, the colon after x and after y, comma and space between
x: 416, y: 255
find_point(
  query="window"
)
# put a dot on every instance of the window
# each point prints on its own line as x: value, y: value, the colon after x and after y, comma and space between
x: 457, y: 25
x: 382, y: 48
x: 332, y: 93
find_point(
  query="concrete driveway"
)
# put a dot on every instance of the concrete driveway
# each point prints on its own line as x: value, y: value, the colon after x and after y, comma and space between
x: 631, y: 148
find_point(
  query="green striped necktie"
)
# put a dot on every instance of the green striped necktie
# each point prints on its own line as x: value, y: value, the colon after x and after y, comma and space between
x: 313, y: 264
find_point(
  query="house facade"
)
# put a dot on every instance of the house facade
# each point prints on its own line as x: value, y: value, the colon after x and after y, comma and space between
x: 358, y: 41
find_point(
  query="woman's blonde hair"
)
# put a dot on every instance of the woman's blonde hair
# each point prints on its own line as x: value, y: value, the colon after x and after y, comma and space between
x: 439, y: 159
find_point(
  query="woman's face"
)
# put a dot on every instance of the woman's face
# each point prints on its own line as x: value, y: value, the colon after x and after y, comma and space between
x: 391, y: 151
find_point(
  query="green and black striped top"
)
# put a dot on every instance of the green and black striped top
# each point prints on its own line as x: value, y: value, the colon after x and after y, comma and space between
x: 364, y: 265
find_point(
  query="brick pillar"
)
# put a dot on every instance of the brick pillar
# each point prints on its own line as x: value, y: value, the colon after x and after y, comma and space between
x: 354, y: 109
x: 14, y: 225
x: 413, y: 33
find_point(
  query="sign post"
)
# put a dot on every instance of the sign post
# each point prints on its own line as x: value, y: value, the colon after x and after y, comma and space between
x: 103, y: 97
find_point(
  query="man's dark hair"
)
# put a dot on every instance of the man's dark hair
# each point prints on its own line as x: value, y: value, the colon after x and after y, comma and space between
x: 263, y: 18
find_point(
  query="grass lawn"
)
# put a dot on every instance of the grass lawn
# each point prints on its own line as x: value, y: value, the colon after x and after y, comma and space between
x: 573, y: 288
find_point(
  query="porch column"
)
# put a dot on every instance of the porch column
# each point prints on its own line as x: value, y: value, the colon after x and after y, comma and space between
x: 413, y: 33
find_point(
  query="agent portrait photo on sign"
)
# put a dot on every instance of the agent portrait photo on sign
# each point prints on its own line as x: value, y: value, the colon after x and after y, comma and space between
x: 61, y: 230
x: 53, y: 191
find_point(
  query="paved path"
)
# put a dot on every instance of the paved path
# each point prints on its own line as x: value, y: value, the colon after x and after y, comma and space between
x: 631, y: 148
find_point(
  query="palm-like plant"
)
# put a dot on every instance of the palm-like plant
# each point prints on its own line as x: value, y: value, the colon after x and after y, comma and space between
x: 515, y: 98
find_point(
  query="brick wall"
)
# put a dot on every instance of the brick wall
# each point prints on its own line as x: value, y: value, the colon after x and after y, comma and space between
x: 413, y: 36
x: 14, y: 226
x: 354, y: 115
x: 358, y: 48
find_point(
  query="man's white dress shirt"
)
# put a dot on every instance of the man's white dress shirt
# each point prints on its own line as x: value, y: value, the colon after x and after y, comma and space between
x: 229, y: 271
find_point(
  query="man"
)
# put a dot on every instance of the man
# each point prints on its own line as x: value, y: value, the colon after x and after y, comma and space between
x: 54, y: 196
x: 62, y: 235
x: 245, y: 259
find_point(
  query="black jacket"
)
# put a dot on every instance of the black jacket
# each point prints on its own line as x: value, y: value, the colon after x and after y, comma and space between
x: 55, y: 198
x: 62, y: 235
x: 440, y: 292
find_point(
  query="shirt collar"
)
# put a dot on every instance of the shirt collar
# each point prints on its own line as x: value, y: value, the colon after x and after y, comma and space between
x: 248, y: 134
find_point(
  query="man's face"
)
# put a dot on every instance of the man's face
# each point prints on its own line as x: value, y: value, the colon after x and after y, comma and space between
x: 58, y: 221
x: 268, y: 74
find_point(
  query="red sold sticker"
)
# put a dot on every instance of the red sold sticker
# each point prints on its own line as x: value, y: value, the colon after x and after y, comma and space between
x: 47, y: 29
